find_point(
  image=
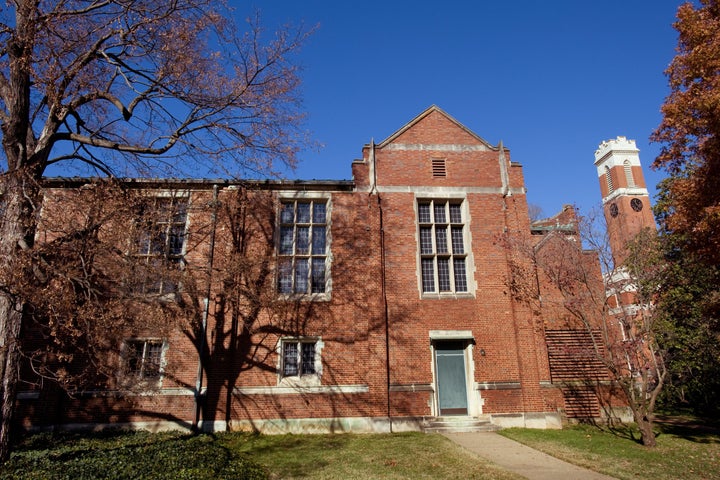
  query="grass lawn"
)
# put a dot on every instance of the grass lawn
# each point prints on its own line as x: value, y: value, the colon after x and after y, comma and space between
x: 243, y: 456
x: 686, y: 449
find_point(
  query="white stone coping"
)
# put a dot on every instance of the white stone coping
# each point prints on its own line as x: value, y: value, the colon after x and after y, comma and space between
x: 451, y: 335
x: 301, y: 390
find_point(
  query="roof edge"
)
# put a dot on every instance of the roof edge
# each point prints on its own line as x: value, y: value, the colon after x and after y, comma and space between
x: 204, y: 183
x: 425, y: 113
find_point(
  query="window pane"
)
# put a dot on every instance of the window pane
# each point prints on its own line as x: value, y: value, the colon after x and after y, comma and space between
x: 160, y: 243
x: 424, y: 212
x: 318, y: 275
x: 290, y: 358
x: 441, y: 239
x: 143, y: 358
x: 460, y: 275
x: 287, y: 213
x: 153, y: 276
x: 301, y: 275
x: 143, y: 243
x: 164, y: 208
x: 303, y: 213
x: 457, y: 240
x: 302, y: 242
x: 134, y: 356
x: 303, y: 233
x: 177, y: 240
x: 444, y: 274
x: 318, y: 240
x: 455, y: 213
x: 285, y: 276
x: 428, y: 275
x: 157, y: 241
x: 308, y: 358
x: 426, y: 240
x: 318, y: 212
x: 442, y: 246
x: 168, y: 286
x: 153, y: 355
x: 440, y: 212
x: 286, y: 240
x: 180, y: 212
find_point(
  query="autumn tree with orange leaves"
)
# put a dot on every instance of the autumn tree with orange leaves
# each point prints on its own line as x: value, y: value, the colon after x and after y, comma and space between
x: 129, y: 88
x: 690, y: 132
x: 688, y: 209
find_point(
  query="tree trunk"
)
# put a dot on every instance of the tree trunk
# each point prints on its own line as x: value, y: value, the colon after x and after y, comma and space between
x: 647, y: 435
x: 10, y: 324
x: 18, y: 201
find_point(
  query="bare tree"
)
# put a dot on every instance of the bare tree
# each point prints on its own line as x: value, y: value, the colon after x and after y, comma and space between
x: 535, y: 212
x: 580, y: 288
x: 121, y: 87
x: 84, y: 281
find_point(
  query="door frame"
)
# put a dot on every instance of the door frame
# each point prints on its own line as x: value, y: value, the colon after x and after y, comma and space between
x: 466, y: 338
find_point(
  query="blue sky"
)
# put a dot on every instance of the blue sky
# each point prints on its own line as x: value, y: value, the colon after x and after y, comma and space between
x: 551, y: 79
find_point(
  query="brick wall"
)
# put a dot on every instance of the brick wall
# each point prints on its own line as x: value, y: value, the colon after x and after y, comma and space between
x: 375, y: 324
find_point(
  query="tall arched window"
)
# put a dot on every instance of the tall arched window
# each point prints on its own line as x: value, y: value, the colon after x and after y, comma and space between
x: 628, y: 174
x: 608, y: 179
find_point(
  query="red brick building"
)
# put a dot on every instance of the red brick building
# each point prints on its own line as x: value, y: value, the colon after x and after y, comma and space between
x: 376, y: 304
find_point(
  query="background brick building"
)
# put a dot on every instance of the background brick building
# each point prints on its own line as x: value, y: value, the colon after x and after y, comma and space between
x: 375, y: 304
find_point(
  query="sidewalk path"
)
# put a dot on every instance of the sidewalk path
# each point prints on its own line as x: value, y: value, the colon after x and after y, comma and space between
x: 520, y: 459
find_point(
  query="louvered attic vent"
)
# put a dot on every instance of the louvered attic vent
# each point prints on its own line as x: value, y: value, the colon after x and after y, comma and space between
x: 438, y: 167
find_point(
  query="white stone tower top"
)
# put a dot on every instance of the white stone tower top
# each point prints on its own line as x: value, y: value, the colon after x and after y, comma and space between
x: 618, y: 168
x: 625, y: 198
x: 615, y: 152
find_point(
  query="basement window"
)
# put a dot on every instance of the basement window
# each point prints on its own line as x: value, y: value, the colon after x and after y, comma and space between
x: 143, y: 360
x: 300, y: 362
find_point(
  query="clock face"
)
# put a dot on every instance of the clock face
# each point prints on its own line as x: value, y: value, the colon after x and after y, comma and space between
x: 613, y: 210
x: 636, y: 204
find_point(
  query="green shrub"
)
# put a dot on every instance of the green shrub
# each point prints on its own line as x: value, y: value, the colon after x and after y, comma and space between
x: 125, y: 455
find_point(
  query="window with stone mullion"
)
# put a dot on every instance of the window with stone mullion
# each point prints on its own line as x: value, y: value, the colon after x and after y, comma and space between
x: 302, y: 247
x: 159, y: 243
x: 143, y: 358
x: 442, y: 246
x: 298, y: 358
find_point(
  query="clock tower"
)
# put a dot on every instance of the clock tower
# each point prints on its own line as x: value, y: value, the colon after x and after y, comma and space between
x: 625, y: 198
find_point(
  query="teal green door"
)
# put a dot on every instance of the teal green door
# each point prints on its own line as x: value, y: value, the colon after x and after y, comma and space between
x: 450, y: 368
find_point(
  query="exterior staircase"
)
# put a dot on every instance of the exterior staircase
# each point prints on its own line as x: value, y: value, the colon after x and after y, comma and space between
x: 458, y: 424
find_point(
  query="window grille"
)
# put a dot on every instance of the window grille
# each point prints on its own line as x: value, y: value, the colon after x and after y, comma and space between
x: 442, y: 246
x: 160, y: 234
x: 298, y: 358
x: 303, y: 247
x: 143, y: 359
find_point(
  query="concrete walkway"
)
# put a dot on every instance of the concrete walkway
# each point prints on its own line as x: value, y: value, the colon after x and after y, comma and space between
x: 518, y: 458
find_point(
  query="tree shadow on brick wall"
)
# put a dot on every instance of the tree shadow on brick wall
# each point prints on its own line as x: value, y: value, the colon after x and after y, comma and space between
x: 108, y: 280
x: 88, y: 291
x: 248, y: 319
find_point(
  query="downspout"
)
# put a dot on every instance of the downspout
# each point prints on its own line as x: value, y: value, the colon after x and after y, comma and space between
x: 386, y: 312
x: 206, y: 311
x: 383, y: 285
